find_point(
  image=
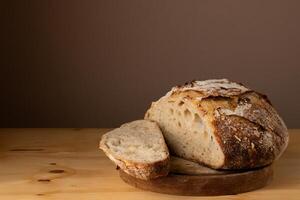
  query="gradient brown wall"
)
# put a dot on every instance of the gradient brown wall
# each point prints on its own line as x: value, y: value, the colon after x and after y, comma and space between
x: 101, y: 63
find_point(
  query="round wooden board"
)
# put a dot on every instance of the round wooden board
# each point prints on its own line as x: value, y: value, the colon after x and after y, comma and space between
x: 204, y: 181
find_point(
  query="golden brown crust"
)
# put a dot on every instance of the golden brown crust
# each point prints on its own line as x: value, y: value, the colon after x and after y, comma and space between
x: 244, y: 143
x: 247, y: 127
x: 250, y: 115
x: 149, y: 170
x: 143, y: 171
x: 212, y: 88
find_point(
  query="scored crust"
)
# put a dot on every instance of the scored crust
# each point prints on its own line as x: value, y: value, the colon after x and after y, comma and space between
x: 242, y: 123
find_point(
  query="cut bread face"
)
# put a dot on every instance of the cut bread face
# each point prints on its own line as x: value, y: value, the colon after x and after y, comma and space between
x: 138, y: 148
x: 187, y: 131
x: 221, y: 124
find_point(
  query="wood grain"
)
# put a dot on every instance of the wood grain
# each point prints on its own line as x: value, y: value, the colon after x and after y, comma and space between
x: 66, y: 164
x: 202, y: 183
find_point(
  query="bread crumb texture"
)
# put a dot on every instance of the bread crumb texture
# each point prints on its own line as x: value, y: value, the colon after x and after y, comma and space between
x: 220, y: 123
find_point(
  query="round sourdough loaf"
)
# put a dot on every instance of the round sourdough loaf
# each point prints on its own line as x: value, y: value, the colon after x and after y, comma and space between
x: 221, y: 124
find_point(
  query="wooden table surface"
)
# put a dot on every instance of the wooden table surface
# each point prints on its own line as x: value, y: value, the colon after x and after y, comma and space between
x: 66, y: 164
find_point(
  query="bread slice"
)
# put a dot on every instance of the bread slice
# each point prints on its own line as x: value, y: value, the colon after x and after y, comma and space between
x: 138, y: 148
x: 221, y: 124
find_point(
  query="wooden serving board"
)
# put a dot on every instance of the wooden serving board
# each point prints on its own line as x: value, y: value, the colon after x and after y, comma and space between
x: 189, y: 178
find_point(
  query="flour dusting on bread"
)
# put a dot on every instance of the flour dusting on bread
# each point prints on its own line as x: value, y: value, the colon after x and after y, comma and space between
x: 213, y: 87
x: 220, y: 123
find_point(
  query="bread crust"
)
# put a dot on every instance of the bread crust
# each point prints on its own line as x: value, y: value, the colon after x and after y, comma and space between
x: 247, y: 127
x: 143, y: 171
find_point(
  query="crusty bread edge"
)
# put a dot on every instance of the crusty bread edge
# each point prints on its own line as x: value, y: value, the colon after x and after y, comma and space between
x: 144, y: 171
x: 230, y: 156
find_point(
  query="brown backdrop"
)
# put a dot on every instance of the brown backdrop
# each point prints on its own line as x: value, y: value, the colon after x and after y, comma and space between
x: 100, y: 63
